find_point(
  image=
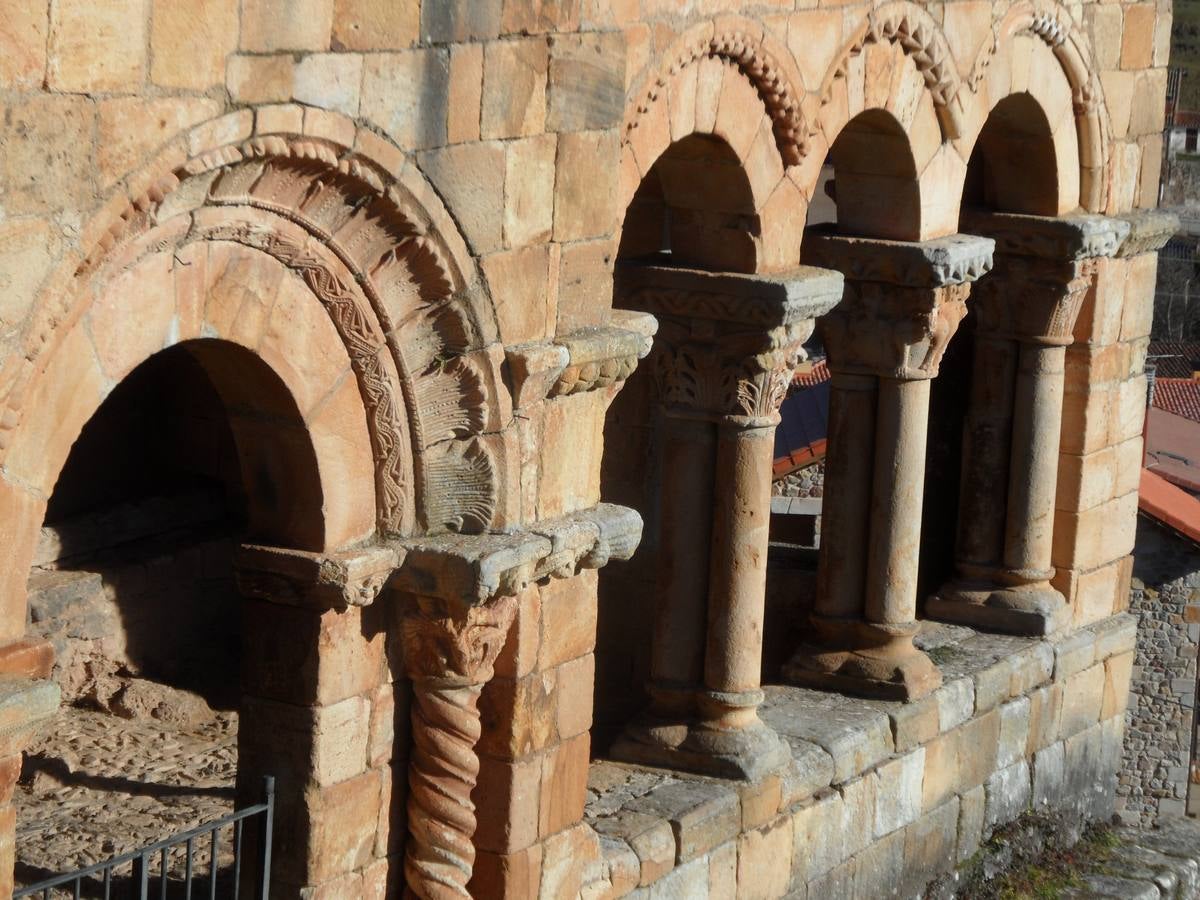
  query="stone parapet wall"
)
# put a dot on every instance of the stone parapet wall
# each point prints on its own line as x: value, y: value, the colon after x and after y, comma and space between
x: 880, y: 798
x: 1157, y: 769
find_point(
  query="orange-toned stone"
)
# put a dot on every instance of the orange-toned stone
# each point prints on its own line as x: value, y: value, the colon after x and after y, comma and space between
x: 260, y: 79
x: 97, y: 45
x: 564, y: 785
x: 1137, y: 40
x: 585, y: 188
x: 190, y: 42
x: 375, y: 24
x: 568, y: 619
x: 514, y: 88
x: 23, y: 37
x: 529, y: 180
x: 507, y: 876
x: 576, y: 690
x: 270, y: 25
x: 130, y: 128
x: 507, y: 804
x: 465, y: 105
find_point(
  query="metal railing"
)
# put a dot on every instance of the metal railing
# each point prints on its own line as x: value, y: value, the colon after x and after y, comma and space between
x: 100, y: 880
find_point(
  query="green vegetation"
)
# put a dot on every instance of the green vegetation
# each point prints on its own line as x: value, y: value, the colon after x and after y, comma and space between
x: 1185, y: 51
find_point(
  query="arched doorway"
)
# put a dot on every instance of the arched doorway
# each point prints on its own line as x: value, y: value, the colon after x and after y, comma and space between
x: 200, y: 448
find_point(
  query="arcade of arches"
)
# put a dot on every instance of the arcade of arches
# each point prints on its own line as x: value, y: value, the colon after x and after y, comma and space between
x: 388, y: 399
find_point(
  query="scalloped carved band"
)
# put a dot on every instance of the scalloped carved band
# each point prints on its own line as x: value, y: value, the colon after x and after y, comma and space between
x: 399, y: 309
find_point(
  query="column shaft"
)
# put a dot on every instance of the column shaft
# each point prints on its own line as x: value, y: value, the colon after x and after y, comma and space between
x: 841, y: 577
x: 899, y: 488
x: 685, y: 533
x: 1033, y: 477
x: 987, y: 437
x: 738, y: 565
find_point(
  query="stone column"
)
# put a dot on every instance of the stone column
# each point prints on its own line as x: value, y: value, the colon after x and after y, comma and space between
x: 457, y: 597
x: 1026, y: 309
x: 885, y: 340
x: 727, y: 348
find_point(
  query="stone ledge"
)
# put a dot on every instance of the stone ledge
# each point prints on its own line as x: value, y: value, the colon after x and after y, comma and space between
x: 1001, y: 733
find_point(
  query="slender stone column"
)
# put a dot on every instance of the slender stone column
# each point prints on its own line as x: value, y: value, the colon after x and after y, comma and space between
x: 1027, y: 309
x: 903, y: 303
x: 726, y: 350
x: 457, y: 596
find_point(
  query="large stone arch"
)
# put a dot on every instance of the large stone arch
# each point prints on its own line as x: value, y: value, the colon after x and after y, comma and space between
x: 374, y: 245
x: 763, y: 123
x: 898, y: 62
x: 1065, y: 86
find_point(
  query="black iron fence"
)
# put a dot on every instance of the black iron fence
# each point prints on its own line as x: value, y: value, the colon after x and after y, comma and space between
x: 169, y: 868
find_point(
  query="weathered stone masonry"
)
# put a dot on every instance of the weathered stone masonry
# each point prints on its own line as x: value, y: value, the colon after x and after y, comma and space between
x: 496, y: 301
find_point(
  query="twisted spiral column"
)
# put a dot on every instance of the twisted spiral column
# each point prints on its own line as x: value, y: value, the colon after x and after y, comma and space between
x: 450, y: 651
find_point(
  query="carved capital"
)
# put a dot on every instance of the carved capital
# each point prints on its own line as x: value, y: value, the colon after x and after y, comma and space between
x: 314, y: 580
x: 893, y: 332
x: 452, y: 641
x: 728, y: 343
x: 1033, y: 299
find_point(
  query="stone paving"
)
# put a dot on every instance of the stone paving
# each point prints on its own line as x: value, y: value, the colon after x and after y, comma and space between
x: 96, y: 785
x: 1148, y: 865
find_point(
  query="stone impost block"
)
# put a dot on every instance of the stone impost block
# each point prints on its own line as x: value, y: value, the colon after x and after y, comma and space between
x: 914, y: 724
x: 811, y: 770
x: 1066, y: 238
x: 649, y: 835
x: 955, y: 259
x: 767, y: 301
x: 1149, y: 231
x: 474, y: 568
x: 318, y: 581
x: 856, y: 734
x: 955, y: 702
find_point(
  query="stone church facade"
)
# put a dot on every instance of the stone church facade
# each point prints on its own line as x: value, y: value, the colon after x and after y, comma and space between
x: 493, y: 304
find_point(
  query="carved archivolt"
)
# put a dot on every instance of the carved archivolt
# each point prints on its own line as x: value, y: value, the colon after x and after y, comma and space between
x: 914, y: 30
x: 746, y: 50
x: 399, y: 305
x: 1052, y: 24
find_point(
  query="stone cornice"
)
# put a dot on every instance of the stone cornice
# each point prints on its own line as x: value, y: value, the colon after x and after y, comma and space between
x: 1149, y: 231
x: 1066, y: 238
x: 749, y: 301
x: 475, y: 568
x: 955, y: 259
x: 580, y: 361
x: 314, y: 580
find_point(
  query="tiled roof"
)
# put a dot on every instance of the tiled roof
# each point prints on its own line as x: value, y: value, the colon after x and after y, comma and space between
x: 1178, y: 396
x: 1175, y: 359
x: 817, y: 373
x: 1177, y: 509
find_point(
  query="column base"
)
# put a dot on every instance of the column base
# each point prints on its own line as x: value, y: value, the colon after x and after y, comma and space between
x: 746, y: 754
x: 864, y: 673
x: 1031, y: 610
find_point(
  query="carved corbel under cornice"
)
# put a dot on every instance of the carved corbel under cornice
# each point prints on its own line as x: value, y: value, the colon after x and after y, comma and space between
x: 1149, y: 231
x: 1065, y: 238
x: 584, y: 360
x: 315, y: 580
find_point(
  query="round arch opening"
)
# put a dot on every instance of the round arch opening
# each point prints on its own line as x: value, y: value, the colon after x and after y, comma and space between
x: 200, y: 448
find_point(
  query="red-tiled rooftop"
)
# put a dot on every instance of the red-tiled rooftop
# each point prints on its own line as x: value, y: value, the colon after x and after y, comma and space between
x: 817, y: 373
x: 1175, y: 508
x: 1178, y: 396
x: 1175, y: 359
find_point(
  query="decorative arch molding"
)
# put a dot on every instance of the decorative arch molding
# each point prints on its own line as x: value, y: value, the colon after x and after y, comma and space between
x: 912, y: 29
x: 387, y: 266
x: 1051, y: 23
x: 757, y: 56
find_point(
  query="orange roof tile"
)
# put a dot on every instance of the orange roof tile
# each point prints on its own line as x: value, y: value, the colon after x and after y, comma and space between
x: 1175, y: 508
x: 1178, y: 396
